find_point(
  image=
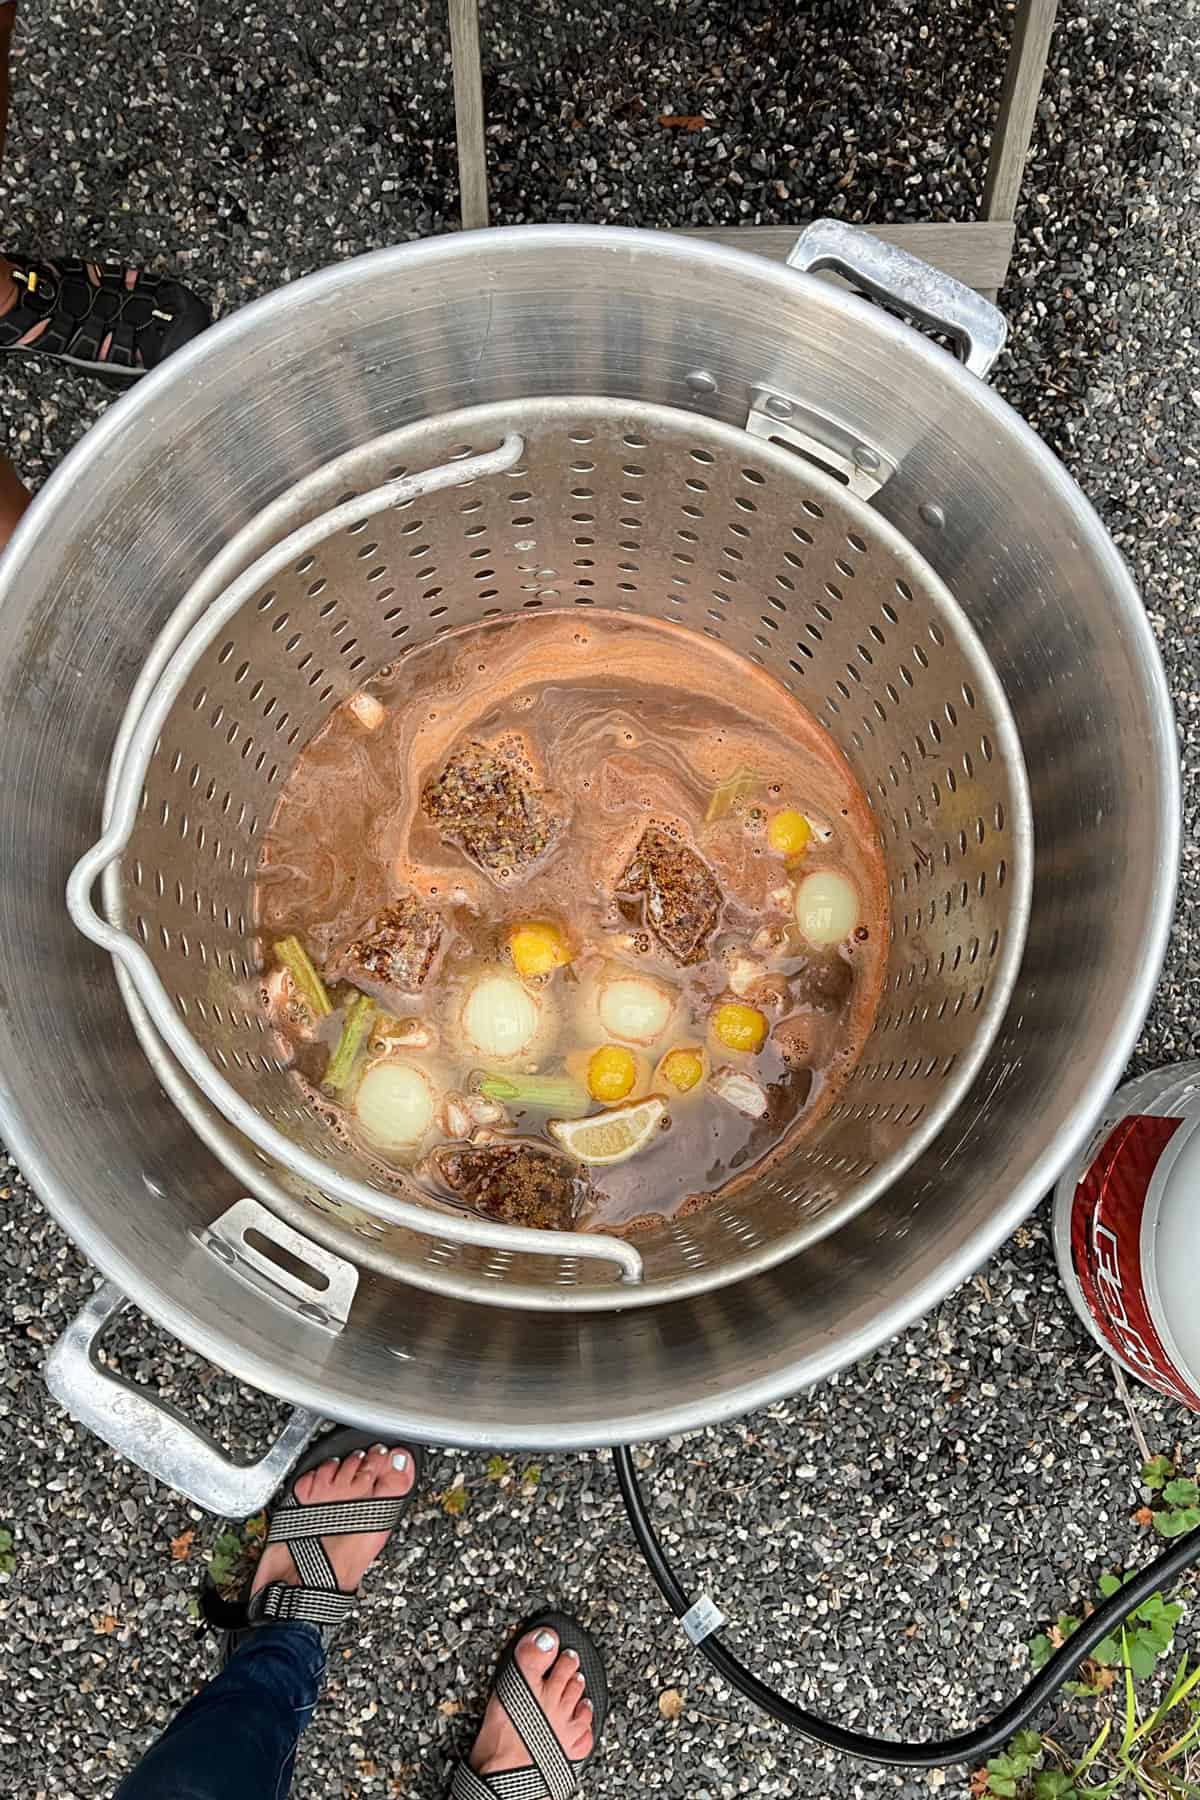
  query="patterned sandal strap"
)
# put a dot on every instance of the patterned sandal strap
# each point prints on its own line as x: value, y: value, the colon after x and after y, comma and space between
x: 512, y: 1784
x: 467, y: 1785
x: 552, y: 1775
x: 319, y: 1606
x: 292, y: 1522
x: 318, y: 1600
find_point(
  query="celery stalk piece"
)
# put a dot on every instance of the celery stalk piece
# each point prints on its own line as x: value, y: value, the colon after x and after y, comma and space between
x: 290, y: 952
x: 557, y: 1093
x: 356, y: 1029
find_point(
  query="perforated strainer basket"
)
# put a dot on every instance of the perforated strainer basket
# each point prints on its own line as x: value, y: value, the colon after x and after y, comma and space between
x: 556, y: 503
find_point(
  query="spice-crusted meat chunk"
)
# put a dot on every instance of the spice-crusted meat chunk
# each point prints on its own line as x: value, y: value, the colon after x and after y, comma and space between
x: 395, y: 951
x: 515, y: 1183
x: 682, y: 898
x: 489, y: 807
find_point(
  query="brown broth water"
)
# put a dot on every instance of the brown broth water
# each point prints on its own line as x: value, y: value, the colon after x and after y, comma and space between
x: 630, y: 724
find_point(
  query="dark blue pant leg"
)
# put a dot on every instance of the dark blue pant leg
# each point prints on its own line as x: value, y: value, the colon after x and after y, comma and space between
x: 237, y: 1739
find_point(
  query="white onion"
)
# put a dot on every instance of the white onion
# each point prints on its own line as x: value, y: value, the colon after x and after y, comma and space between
x: 394, y: 1104
x: 826, y: 907
x: 500, y: 1017
x: 635, y: 1009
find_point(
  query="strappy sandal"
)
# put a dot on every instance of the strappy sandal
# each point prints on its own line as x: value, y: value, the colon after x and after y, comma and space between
x: 318, y: 1600
x: 104, y: 327
x: 550, y: 1774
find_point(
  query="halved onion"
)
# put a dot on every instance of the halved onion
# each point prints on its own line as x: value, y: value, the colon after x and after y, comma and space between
x: 635, y: 1009
x: 826, y: 907
x: 500, y: 1017
x: 393, y: 1104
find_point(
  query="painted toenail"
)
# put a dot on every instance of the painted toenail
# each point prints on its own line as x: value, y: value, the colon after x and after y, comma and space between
x: 400, y: 1461
x: 358, y: 1455
x: 380, y: 1449
x: 579, y: 1678
x: 571, y: 1655
x: 545, y: 1640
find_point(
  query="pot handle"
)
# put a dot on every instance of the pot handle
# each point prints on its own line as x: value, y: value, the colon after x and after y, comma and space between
x: 894, y: 276
x: 153, y: 1434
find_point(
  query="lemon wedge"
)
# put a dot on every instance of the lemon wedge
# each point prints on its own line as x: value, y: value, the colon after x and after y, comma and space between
x: 613, y: 1136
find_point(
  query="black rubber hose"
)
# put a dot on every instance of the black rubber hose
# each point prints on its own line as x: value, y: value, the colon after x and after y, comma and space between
x: 966, y: 1746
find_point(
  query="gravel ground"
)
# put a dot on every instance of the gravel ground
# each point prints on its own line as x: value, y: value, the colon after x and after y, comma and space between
x: 884, y: 1543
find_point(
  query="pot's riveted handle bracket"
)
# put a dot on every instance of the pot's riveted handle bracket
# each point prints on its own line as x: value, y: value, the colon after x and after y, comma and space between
x: 282, y: 1264
x: 151, y: 1433
x: 898, y: 279
x: 823, y: 440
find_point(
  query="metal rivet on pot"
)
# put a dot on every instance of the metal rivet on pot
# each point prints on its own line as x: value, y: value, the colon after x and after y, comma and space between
x: 932, y: 514
x: 777, y: 406
x: 701, y: 382
x: 865, y: 457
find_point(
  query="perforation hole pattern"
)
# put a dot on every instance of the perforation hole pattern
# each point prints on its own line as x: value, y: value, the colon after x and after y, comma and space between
x: 661, y: 514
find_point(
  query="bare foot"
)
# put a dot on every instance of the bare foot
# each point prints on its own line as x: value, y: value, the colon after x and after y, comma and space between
x: 558, y: 1688
x: 376, y: 1474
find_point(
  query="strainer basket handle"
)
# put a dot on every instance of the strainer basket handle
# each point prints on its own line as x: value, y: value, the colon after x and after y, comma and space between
x: 892, y: 275
x: 124, y: 798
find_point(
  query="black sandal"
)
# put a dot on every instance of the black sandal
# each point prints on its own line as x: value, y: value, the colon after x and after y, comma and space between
x: 318, y: 1600
x: 135, y: 327
x: 551, y: 1773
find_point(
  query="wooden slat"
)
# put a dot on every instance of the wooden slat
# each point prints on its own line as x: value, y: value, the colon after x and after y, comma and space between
x: 1018, y: 106
x: 976, y: 253
x: 468, y: 112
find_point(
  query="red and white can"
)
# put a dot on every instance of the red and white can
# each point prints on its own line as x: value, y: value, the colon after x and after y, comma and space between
x: 1127, y: 1231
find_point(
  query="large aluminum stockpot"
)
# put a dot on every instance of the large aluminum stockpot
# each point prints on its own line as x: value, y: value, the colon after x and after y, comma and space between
x: 203, y: 446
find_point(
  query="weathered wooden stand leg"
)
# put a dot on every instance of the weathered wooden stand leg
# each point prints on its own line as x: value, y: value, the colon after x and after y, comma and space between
x: 468, y: 112
x: 1018, y: 107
